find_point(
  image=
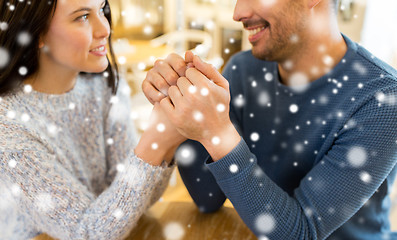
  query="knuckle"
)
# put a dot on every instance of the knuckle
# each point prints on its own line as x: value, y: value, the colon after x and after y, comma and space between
x: 163, y: 101
x: 189, y: 72
x: 171, y: 92
x: 172, y: 56
x: 158, y: 63
x: 159, y: 83
x: 171, y: 77
x: 180, y: 80
x: 180, y: 66
x: 173, y: 89
x: 157, y: 97
x: 149, y: 77
x: 163, y: 86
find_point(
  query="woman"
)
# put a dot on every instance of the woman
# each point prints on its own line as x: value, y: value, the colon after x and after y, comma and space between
x: 69, y: 164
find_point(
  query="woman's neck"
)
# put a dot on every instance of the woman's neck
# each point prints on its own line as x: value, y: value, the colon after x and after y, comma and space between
x: 52, y: 79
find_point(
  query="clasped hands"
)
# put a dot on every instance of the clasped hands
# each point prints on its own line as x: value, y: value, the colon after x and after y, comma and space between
x: 194, y: 97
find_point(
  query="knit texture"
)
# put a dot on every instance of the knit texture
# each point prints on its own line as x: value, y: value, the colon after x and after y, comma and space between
x: 67, y: 164
x: 316, y: 162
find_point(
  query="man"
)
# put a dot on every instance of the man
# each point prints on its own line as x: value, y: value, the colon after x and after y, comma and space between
x: 316, y: 115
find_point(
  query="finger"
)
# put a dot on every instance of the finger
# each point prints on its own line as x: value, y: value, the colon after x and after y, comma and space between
x: 175, y: 95
x: 185, y: 86
x: 210, y: 72
x: 151, y: 93
x: 197, y: 78
x: 164, y: 70
x: 158, y: 81
x: 189, y: 65
x: 167, y: 106
x: 177, y: 63
x: 189, y: 57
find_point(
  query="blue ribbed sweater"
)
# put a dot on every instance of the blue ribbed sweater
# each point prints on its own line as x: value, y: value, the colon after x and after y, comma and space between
x: 317, y: 163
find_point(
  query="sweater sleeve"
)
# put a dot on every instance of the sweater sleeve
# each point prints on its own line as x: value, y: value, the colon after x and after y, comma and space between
x: 121, y: 139
x: 61, y: 206
x: 57, y: 203
x: 198, y: 180
x: 360, y: 159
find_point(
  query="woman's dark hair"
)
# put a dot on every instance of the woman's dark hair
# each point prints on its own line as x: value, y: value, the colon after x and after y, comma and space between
x: 22, y: 23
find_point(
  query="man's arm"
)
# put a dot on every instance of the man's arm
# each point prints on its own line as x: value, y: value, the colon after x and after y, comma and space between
x: 198, y: 180
x: 331, y: 193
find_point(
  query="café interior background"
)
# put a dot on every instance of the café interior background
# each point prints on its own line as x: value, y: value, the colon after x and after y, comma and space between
x: 147, y: 30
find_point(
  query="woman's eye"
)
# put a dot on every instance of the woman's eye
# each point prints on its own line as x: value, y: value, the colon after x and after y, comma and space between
x: 82, y: 18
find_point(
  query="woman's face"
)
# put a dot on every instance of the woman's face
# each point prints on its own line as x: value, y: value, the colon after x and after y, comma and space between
x: 77, y: 36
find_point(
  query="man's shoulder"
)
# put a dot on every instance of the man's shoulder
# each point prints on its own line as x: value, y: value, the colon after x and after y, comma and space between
x: 375, y: 64
x: 244, y: 57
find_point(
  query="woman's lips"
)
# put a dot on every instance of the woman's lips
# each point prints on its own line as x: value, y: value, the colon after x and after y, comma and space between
x: 99, y: 51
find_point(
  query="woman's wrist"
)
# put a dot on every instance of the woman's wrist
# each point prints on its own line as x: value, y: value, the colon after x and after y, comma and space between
x: 154, y: 149
x: 169, y: 156
x: 149, y: 150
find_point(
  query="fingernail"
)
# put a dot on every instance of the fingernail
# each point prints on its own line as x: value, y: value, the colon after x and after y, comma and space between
x: 189, y: 65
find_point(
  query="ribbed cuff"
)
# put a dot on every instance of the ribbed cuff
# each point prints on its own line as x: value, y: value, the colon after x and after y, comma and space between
x: 136, y: 168
x: 233, y: 163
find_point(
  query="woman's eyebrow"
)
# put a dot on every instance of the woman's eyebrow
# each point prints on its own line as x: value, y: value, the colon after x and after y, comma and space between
x: 86, y: 9
x: 81, y: 10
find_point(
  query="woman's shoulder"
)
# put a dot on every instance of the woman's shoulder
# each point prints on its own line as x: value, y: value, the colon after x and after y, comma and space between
x: 15, y: 134
x: 18, y: 127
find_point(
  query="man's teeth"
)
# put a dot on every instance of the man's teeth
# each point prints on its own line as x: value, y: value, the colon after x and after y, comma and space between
x: 255, y: 31
x: 99, y: 49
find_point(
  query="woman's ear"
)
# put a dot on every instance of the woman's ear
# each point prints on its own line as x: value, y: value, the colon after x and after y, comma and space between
x: 313, y: 3
x: 41, y: 42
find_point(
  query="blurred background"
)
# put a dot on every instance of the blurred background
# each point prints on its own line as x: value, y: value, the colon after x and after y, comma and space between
x: 147, y: 30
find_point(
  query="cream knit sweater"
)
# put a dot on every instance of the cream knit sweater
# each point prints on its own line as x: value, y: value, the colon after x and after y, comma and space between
x: 67, y: 165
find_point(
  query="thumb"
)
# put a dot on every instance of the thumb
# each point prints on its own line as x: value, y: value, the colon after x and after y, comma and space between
x: 189, y: 59
x: 210, y: 72
x: 189, y: 56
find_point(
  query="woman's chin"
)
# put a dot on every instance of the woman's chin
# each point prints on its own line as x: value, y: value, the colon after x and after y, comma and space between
x: 99, y: 68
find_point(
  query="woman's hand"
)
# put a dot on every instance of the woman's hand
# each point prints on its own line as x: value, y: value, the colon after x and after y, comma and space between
x: 160, y: 139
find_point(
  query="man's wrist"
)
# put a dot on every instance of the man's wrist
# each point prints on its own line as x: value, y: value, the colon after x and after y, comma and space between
x: 221, y: 143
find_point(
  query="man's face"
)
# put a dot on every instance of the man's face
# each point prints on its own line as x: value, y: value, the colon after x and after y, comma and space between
x: 276, y: 27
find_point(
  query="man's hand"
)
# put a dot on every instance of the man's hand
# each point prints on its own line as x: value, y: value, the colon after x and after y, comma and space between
x: 199, y: 108
x: 164, y: 74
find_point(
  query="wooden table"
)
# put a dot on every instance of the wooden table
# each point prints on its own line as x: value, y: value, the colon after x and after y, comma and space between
x: 183, y: 221
x: 187, y: 222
